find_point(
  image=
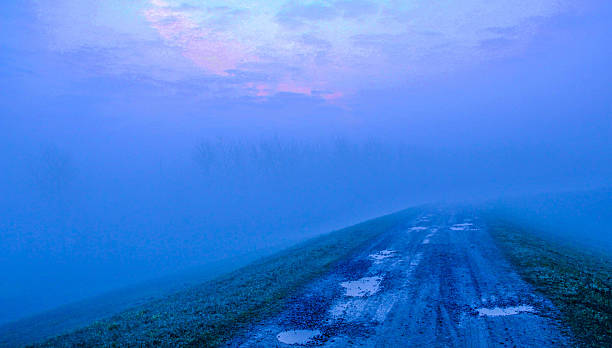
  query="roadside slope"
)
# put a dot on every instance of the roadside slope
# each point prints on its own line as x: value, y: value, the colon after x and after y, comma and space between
x: 578, y: 280
x: 211, y: 313
x: 81, y: 313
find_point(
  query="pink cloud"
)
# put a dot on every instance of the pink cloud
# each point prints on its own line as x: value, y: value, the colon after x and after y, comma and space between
x: 332, y: 96
x: 209, y: 50
x: 293, y: 88
x: 217, y: 52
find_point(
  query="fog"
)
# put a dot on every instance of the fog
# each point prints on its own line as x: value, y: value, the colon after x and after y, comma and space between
x: 578, y: 218
x: 109, y: 179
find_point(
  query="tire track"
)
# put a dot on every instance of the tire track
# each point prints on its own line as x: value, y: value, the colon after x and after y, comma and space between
x: 440, y: 281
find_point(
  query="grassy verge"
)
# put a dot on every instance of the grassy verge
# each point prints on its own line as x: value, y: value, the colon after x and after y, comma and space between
x: 212, y: 313
x: 78, y: 314
x: 578, y: 281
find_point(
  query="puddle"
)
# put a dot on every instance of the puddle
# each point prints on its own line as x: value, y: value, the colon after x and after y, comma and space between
x: 363, y: 287
x: 381, y: 255
x: 462, y: 227
x: 298, y: 336
x: 498, y: 312
x: 426, y: 240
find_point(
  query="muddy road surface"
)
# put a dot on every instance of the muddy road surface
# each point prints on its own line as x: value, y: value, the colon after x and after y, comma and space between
x: 439, y: 281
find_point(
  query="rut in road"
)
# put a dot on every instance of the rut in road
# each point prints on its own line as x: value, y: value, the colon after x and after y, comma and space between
x: 439, y: 281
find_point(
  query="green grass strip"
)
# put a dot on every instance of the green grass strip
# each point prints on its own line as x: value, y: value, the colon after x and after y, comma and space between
x: 577, y: 280
x: 212, y: 313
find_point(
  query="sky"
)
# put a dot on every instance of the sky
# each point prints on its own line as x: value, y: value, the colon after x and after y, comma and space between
x: 259, y: 48
x: 140, y: 138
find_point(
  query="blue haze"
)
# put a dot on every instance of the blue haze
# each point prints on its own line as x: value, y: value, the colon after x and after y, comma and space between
x: 109, y: 180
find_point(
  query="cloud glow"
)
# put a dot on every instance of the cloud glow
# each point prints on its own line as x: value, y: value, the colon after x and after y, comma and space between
x: 335, y: 47
x: 319, y: 48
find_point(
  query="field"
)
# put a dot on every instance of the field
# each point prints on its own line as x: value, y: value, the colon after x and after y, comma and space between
x: 577, y: 280
x: 213, y: 312
x: 77, y: 314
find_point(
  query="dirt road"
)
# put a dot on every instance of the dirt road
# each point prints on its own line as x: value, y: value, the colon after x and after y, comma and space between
x: 438, y: 281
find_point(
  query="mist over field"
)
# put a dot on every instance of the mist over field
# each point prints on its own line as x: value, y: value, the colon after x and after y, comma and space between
x: 116, y: 167
x: 582, y: 218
